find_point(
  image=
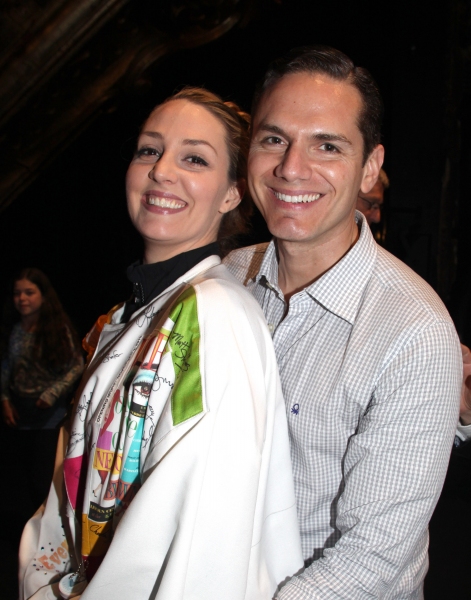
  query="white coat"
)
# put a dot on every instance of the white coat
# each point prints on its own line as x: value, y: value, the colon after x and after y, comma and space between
x: 215, y: 517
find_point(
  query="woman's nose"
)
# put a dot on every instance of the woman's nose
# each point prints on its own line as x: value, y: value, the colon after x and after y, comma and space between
x: 163, y: 169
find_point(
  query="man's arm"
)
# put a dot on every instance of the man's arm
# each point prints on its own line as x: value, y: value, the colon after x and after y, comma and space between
x: 464, y: 427
x: 394, y: 469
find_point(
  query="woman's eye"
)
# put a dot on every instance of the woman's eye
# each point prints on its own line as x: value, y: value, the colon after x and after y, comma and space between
x: 147, y: 153
x: 196, y: 160
x: 143, y: 385
x: 143, y: 389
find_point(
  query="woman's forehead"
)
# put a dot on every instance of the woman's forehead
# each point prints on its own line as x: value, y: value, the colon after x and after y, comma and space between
x: 25, y: 283
x: 180, y: 116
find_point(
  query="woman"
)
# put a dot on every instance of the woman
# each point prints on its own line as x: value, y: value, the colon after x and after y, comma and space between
x: 39, y: 369
x: 179, y: 434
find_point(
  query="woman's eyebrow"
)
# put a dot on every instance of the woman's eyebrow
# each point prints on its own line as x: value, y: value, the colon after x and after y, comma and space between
x: 186, y: 142
x: 189, y: 142
x: 153, y: 134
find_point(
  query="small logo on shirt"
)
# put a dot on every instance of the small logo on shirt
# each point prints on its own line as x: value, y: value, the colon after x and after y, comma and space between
x: 295, y: 409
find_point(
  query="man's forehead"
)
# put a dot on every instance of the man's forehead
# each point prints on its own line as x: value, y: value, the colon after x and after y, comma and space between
x: 308, y: 93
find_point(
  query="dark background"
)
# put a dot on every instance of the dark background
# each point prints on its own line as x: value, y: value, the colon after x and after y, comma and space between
x: 72, y: 222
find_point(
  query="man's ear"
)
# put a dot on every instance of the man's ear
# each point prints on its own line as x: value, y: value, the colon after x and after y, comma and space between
x: 372, y: 168
x: 233, y: 197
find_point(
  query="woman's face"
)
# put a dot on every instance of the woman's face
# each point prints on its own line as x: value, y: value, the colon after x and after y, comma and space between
x: 27, y: 298
x: 177, y: 184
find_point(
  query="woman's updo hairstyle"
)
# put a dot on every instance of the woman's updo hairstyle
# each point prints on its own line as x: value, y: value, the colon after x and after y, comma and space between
x: 237, y: 124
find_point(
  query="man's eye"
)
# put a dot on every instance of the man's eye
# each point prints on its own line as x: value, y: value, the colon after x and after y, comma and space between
x: 196, y: 160
x: 147, y: 153
x: 272, y: 140
x: 329, y: 148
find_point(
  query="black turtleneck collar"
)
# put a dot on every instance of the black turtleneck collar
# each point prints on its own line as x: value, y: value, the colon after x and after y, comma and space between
x: 150, y: 280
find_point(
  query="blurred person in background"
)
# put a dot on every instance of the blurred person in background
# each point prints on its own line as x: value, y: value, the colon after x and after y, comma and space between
x: 41, y: 363
x: 371, y: 203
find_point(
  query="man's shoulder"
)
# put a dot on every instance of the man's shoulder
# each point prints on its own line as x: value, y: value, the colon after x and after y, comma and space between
x: 402, y: 283
x: 219, y: 290
x: 245, y: 263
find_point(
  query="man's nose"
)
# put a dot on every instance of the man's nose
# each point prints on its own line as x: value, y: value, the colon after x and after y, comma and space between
x: 295, y: 165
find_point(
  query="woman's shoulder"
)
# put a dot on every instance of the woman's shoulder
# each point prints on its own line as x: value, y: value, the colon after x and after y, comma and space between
x: 218, y: 282
x: 219, y: 292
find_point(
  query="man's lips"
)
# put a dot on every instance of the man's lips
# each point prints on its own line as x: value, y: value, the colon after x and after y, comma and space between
x: 296, y: 197
x: 163, y: 200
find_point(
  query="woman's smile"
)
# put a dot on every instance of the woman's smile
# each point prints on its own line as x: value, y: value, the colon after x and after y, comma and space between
x: 163, y: 200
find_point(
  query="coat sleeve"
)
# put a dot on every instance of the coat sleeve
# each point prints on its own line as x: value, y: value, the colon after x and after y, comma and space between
x: 46, y: 550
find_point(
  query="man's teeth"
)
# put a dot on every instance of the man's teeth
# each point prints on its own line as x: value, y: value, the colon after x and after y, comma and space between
x: 165, y: 202
x: 296, y: 199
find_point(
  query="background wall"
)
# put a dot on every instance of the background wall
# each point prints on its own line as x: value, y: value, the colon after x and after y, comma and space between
x: 72, y: 220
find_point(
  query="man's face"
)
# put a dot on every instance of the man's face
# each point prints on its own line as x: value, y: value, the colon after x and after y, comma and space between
x: 305, y: 160
x: 370, y: 203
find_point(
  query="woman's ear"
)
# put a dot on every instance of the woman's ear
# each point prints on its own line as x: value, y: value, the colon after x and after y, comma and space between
x: 372, y: 168
x: 233, y: 197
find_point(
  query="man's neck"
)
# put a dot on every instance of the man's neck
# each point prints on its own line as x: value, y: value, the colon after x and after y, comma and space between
x: 301, y: 263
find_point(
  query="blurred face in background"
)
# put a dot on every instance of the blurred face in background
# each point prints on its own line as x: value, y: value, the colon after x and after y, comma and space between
x: 370, y: 203
x: 27, y: 298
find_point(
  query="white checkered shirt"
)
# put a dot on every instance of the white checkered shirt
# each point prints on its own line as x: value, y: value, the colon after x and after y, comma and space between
x: 371, y: 370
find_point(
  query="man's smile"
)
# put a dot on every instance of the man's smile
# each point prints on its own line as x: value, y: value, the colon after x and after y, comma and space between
x: 296, y: 198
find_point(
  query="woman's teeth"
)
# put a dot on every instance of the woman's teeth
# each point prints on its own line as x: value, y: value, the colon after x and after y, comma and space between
x: 296, y: 199
x: 165, y: 202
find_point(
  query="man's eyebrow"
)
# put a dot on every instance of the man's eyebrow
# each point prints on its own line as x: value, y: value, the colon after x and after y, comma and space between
x: 331, y: 137
x: 322, y: 137
x: 272, y: 129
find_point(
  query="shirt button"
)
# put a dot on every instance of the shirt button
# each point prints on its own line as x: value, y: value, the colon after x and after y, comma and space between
x: 270, y: 327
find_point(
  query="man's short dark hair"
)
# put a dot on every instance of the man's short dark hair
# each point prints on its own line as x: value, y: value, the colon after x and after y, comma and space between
x: 335, y: 64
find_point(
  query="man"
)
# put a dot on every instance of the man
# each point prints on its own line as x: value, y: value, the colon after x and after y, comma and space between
x: 369, y: 359
x: 371, y: 203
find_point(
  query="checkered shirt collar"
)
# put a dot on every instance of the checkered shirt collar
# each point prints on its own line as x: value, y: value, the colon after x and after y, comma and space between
x: 341, y: 289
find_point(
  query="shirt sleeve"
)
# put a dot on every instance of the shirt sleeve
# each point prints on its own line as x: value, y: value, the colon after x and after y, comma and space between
x: 394, y: 469
x: 64, y: 383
